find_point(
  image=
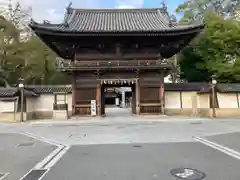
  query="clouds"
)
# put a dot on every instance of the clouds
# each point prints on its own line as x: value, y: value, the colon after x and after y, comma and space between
x: 53, y: 10
x: 129, y: 3
x: 45, y: 9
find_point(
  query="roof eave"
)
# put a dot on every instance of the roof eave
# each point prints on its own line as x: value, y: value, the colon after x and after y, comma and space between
x: 42, y: 29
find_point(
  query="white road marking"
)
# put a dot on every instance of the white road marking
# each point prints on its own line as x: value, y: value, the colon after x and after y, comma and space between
x: 44, y: 174
x: 47, y: 159
x: 5, y: 175
x: 52, y: 158
x: 26, y: 174
x: 218, y: 147
x: 41, y: 138
x: 57, y: 158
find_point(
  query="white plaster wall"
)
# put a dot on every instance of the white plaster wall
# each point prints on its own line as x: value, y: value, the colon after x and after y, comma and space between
x: 44, y: 102
x: 69, y: 101
x: 172, y: 100
x: 188, y: 100
x: 227, y: 100
x: 203, y: 101
x: 31, y: 104
x: 7, y: 106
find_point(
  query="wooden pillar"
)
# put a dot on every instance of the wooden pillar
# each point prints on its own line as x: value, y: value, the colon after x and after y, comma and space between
x: 134, y: 99
x: 98, y: 99
x: 102, y: 101
x: 137, y: 92
x: 237, y: 100
x: 73, y: 94
x: 162, y: 100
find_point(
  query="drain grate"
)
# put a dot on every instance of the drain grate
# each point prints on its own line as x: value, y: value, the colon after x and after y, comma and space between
x: 34, y: 174
x: 137, y: 146
x: 187, y: 174
x: 77, y: 136
x: 25, y: 144
x: 196, y: 122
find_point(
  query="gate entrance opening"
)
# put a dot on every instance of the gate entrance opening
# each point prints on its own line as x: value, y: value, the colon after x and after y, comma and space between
x: 118, y: 98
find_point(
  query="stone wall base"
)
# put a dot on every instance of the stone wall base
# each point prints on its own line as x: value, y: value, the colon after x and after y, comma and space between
x: 228, y: 113
x: 178, y: 112
x: 12, y: 117
x: 45, y: 115
x: 59, y: 114
x: 205, y: 112
x: 200, y: 112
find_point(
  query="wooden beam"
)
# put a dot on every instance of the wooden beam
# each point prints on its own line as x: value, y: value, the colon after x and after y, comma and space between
x: 73, y: 94
x: 237, y: 99
x: 162, y: 97
x: 181, y: 100
x: 137, y: 97
x: 98, y: 99
x: 112, y: 56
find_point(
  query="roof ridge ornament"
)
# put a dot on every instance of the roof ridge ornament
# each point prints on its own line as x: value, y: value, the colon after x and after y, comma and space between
x: 68, y: 11
x: 46, y: 22
x: 172, y: 21
x: 164, y: 7
x: 69, y: 7
x: 32, y: 22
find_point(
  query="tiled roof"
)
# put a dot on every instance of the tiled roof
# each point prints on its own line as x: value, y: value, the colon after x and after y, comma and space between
x: 34, y: 90
x: 185, y: 86
x: 11, y: 92
x: 228, y: 87
x: 116, y: 20
x: 44, y: 89
x: 8, y: 92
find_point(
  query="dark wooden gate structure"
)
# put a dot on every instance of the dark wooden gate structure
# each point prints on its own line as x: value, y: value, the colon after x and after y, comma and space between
x: 118, y: 47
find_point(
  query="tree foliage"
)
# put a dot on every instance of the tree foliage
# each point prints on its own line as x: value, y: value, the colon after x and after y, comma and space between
x: 196, y: 9
x: 216, y: 49
x: 30, y: 59
x: 220, y: 47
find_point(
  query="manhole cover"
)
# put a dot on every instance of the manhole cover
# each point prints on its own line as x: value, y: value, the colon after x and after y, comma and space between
x: 137, y: 146
x: 26, y: 144
x: 196, y: 122
x: 187, y: 174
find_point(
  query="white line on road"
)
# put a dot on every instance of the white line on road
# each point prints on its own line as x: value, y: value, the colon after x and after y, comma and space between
x: 52, y: 158
x: 47, y: 159
x: 57, y: 157
x: 43, y: 174
x: 5, y: 175
x: 41, y: 138
x: 218, y: 147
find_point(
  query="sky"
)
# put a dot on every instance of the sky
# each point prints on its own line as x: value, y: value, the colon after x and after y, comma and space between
x: 53, y: 10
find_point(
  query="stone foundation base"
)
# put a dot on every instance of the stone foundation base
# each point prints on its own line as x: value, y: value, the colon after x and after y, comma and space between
x: 59, y: 114
x: 204, y: 112
x: 200, y: 112
x: 12, y: 117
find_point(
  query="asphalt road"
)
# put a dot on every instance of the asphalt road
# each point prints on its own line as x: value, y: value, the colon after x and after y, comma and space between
x: 116, y: 150
x: 143, y: 162
x: 231, y: 140
x: 18, y: 154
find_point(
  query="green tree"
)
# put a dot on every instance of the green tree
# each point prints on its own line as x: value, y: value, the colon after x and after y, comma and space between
x: 40, y: 64
x: 9, y: 46
x: 191, y: 65
x: 220, y: 47
x: 215, y: 51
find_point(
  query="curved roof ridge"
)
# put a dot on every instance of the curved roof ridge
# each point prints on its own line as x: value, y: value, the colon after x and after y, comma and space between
x: 114, y: 9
